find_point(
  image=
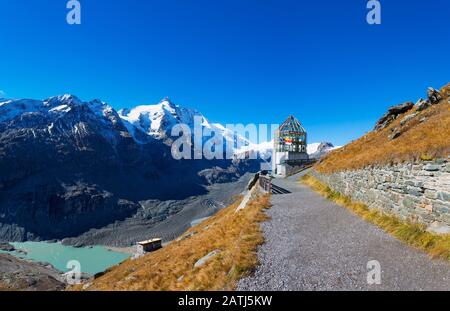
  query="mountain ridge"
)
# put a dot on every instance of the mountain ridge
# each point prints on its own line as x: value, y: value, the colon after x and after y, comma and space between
x: 68, y: 166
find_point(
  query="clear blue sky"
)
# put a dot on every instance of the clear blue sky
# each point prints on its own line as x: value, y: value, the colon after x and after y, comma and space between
x: 248, y: 61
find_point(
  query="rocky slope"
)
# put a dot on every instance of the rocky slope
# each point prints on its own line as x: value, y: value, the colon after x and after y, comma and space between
x: 401, y: 167
x: 67, y: 166
x: 407, y: 132
x: 17, y: 274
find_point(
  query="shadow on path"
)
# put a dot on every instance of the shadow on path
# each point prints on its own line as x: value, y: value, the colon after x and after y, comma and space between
x: 279, y: 190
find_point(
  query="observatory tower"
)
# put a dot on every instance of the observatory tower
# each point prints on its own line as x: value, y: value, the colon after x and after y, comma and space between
x: 289, y: 150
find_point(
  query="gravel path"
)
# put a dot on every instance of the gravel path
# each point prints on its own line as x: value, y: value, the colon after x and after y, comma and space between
x: 314, y: 244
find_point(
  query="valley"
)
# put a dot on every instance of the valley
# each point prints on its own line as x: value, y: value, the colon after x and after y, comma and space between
x: 69, y: 166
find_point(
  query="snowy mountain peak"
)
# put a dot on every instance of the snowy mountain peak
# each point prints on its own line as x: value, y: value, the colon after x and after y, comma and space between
x: 317, y: 150
x: 62, y: 99
x: 166, y: 101
x: 53, y: 107
x: 158, y: 120
x: 265, y: 149
x: 144, y: 123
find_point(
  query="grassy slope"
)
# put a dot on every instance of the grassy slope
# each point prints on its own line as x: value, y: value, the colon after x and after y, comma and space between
x: 235, y: 234
x: 436, y: 245
x: 426, y: 139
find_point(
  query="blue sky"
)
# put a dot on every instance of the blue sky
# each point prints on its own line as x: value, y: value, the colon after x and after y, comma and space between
x: 247, y: 61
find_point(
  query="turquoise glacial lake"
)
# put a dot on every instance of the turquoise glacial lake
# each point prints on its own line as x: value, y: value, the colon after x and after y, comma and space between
x: 92, y: 259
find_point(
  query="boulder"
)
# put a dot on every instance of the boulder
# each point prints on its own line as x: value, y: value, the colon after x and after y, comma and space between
x: 204, y: 259
x: 395, y: 134
x: 439, y: 228
x: 433, y: 95
x: 422, y: 104
x: 392, y: 114
x: 408, y: 118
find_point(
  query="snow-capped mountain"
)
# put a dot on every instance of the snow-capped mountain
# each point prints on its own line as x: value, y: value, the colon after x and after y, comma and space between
x: 265, y: 149
x: 56, y: 106
x: 262, y: 150
x: 143, y: 123
x: 67, y: 166
x: 318, y: 150
x: 158, y: 120
x: 312, y: 148
x: 61, y: 115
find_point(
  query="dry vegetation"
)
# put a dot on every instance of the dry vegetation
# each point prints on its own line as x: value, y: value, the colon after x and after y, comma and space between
x: 446, y: 90
x: 414, y: 234
x: 420, y: 138
x: 237, y: 236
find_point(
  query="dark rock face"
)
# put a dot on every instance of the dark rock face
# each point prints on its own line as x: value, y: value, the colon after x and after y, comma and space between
x: 224, y: 173
x: 392, y: 114
x: 60, y: 172
x: 422, y: 104
x: 67, y: 166
x: 433, y: 95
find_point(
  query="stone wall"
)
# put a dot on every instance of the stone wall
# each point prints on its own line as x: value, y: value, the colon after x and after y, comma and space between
x: 419, y: 191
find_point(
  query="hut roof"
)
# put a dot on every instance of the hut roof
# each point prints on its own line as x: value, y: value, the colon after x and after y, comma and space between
x: 148, y: 242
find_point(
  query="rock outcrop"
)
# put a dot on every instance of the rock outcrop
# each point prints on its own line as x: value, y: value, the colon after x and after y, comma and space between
x: 392, y: 115
x: 433, y: 95
x: 422, y: 104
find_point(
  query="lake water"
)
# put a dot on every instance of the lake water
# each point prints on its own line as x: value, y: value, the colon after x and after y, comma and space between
x: 92, y: 259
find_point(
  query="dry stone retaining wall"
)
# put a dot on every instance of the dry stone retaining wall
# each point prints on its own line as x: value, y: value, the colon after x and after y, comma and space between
x: 420, y: 191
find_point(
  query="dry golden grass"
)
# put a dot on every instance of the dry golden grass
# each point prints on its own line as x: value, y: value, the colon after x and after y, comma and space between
x: 414, y: 234
x: 446, y: 90
x: 237, y: 236
x: 418, y: 140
